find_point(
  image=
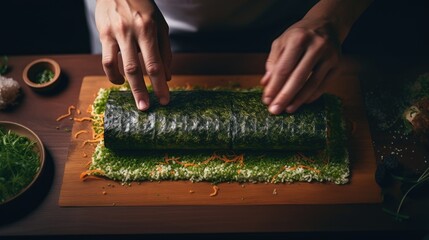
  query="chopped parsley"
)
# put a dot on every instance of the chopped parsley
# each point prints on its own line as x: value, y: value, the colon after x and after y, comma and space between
x: 45, y: 76
x: 19, y: 163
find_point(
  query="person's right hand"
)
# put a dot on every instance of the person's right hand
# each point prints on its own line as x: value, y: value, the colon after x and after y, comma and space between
x: 129, y: 27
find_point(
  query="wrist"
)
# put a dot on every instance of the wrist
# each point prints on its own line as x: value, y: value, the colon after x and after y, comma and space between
x: 339, y: 15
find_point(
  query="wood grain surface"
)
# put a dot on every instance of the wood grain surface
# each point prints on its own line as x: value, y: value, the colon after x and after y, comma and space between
x: 361, y: 189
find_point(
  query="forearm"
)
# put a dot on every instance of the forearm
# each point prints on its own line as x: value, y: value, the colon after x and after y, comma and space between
x: 340, y: 13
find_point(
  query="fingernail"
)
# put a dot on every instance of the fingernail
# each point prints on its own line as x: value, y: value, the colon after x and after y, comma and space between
x: 142, y: 105
x: 267, y: 100
x: 275, y: 109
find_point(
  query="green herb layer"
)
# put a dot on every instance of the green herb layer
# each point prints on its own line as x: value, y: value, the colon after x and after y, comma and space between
x: 330, y: 164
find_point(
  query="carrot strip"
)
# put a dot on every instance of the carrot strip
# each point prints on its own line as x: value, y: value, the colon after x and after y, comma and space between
x: 70, y: 108
x: 91, y: 141
x: 234, y: 158
x: 277, y: 174
x: 82, y: 119
x: 215, y: 191
x: 88, y: 174
x: 92, y: 177
x: 80, y: 132
x: 176, y: 160
x: 213, y: 157
x: 309, y: 168
x: 78, y: 111
x: 188, y: 164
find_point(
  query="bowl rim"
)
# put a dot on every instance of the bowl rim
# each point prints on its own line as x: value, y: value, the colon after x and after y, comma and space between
x: 57, y: 72
x: 26, y: 132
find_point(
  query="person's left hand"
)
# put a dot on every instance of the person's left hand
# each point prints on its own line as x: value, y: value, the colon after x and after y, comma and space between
x: 299, y: 64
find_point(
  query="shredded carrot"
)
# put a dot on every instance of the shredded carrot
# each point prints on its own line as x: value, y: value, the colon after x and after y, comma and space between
x: 78, y: 111
x: 309, y: 168
x: 277, y: 174
x: 91, y: 141
x: 98, y: 135
x: 213, y: 157
x: 85, y: 155
x: 70, y: 108
x: 176, y: 160
x: 82, y: 119
x: 226, y: 158
x: 80, y: 132
x: 215, y: 191
x: 188, y: 164
x: 88, y: 174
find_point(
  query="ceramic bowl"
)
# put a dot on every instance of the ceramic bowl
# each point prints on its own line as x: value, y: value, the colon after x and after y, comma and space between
x: 34, y: 70
x: 38, y: 147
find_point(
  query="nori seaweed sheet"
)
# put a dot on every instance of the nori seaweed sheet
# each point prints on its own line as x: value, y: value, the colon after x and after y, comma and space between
x: 254, y: 128
x: 201, y: 119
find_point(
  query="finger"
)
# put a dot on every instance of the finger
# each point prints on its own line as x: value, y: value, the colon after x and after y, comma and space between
x: 313, y: 83
x: 295, y: 81
x: 275, y: 52
x: 134, y: 74
x: 322, y: 87
x: 165, y: 51
x: 148, y: 43
x: 109, y: 61
x: 281, y: 71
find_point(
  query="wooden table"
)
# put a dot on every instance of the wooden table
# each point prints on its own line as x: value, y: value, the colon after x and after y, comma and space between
x: 37, y: 213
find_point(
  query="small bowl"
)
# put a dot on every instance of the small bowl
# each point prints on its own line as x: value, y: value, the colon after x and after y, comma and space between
x: 33, y: 69
x: 38, y: 147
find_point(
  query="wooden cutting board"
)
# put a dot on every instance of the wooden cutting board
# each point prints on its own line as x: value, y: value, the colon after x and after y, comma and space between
x: 361, y: 189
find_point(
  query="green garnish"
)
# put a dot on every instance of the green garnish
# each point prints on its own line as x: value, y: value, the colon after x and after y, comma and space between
x: 3, y: 64
x: 19, y: 162
x: 329, y: 165
x: 44, y: 76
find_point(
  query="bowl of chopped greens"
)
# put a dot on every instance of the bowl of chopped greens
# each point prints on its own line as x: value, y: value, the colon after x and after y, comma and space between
x: 42, y: 74
x: 22, y: 157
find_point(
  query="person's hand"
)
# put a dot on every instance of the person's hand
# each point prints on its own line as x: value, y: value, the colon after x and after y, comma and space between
x: 129, y: 27
x: 299, y: 64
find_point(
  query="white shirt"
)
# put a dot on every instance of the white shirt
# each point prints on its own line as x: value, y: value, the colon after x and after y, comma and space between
x: 214, y: 18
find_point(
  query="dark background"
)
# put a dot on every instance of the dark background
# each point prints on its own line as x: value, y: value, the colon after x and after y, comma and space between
x: 59, y: 27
